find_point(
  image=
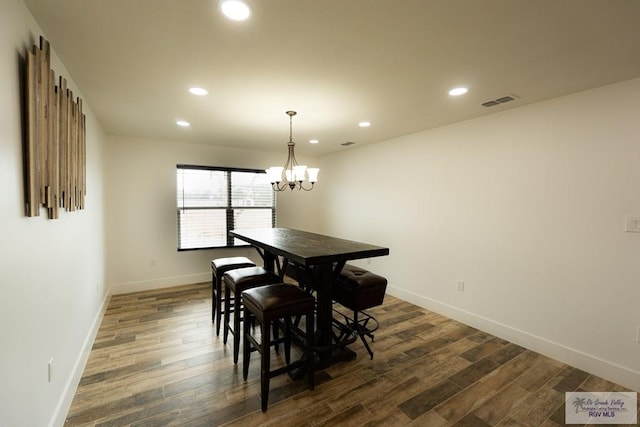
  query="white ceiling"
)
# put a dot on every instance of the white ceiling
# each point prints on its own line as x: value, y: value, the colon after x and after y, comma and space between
x: 336, y: 62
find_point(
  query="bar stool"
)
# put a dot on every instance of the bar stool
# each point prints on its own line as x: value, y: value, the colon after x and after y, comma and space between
x: 358, y: 289
x: 235, y: 282
x: 268, y: 304
x: 219, y: 266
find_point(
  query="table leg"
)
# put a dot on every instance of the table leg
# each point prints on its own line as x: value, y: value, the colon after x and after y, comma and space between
x: 328, y: 349
x: 269, y: 261
x: 325, y: 314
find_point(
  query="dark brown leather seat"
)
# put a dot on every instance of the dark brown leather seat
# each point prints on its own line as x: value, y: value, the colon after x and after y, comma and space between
x: 219, y: 266
x: 359, y: 289
x: 268, y: 304
x: 237, y: 281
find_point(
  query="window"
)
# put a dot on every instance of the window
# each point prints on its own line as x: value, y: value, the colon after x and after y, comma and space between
x: 212, y: 200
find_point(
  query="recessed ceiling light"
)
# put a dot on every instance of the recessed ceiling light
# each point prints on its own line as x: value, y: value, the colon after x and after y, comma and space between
x: 364, y: 124
x: 235, y: 10
x: 313, y: 141
x: 458, y: 91
x: 183, y: 123
x: 198, y: 91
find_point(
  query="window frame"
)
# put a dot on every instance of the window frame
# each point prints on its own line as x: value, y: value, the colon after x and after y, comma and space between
x: 229, y: 208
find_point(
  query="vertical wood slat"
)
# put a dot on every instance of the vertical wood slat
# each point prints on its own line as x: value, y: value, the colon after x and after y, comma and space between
x: 31, y: 160
x: 72, y: 153
x: 67, y: 108
x: 55, y: 139
x: 63, y: 143
x: 50, y: 184
x: 76, y: 157
x: 38, y: 115
x: 55, y: 146
x: 82, y: 156
x: 69, y: 197
x: 43, y: 78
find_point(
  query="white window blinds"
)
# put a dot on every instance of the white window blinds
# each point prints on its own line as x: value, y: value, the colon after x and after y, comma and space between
x: 211, y: 201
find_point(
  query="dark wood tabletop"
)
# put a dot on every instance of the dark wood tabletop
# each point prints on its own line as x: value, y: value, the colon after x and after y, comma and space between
x: 305, y: 248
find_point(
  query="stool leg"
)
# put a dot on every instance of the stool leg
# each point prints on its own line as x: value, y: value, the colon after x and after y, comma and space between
x: 287, y: 340
x: 236, y: 326
x: 264, y: 364
x: 276, y: 335
x: 309, y: 351
x: 227, y: 311
x: 246, y: 346
x: 213, y: 296
x: 218, y: 304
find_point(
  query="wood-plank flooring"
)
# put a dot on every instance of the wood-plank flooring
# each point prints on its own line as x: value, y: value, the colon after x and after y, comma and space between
x: 157, y: 361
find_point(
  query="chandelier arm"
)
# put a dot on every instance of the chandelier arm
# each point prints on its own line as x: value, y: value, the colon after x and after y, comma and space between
x: 290, y: 164
x: 279, y: 186
x: 305, y: 189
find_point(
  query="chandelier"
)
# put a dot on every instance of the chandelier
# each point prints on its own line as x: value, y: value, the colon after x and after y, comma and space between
x: 292, y: 175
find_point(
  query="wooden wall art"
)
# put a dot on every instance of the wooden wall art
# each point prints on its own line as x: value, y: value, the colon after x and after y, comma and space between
x: 55, y: 144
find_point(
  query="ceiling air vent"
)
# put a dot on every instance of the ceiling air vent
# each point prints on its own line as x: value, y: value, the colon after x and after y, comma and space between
x: 499, y: 101
x: 348, y: 143
x: 505, y: 99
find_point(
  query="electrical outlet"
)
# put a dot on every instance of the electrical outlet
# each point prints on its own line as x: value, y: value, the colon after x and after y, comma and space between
x: 633, y: 224
x: 50, y: 370
x: 461, y: 285
x: 638, y: 335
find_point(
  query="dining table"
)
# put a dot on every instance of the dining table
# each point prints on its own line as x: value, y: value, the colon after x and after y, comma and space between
x: 322, y: 257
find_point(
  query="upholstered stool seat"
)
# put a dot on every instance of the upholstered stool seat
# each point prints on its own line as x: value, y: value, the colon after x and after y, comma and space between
x: 358, y: 289
x: 268, y: 304
x: 219, y: 266
x: 237, y: 281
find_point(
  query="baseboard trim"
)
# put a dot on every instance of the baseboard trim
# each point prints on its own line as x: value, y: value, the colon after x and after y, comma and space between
x: 602, y: 368
x: 64, y: 403
x: 163, y: 282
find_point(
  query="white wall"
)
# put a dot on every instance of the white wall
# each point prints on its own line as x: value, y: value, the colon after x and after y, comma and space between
x: 141, y: 211
x: 527, y: 207
x: 51, y: 271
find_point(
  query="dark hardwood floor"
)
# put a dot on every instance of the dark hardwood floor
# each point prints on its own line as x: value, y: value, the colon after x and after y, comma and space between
x: 157, y: 361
